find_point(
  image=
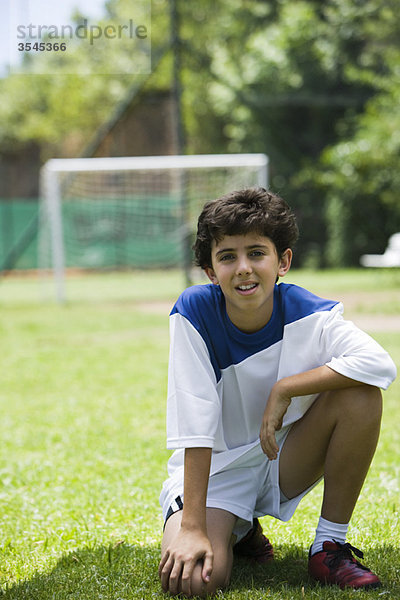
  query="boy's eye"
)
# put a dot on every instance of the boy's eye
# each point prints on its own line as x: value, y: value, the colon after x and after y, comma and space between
x: 227, y: 257
x: 257, y: 253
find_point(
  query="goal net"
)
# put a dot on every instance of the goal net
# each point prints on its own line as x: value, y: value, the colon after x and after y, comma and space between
x: 132, y: 212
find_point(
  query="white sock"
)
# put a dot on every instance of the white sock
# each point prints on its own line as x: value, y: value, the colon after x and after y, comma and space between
x: 327, y: 530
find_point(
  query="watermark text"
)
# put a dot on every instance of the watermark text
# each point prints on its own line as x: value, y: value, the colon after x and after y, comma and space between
x: 82, y: 31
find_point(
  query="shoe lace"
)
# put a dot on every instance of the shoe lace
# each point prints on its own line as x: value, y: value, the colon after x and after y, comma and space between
x: 345, y: 551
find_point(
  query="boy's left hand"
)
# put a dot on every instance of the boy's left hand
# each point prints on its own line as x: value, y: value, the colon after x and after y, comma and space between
x: 277, y: 405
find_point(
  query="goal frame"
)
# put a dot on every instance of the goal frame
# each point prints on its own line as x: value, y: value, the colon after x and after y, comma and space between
x: 51, y: 195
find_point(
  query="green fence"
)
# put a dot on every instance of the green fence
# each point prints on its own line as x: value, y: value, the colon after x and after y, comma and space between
x: 18, y: 233
x: 138, y: 232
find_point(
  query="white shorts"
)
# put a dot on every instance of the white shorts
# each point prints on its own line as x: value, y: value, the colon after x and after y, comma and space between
x: 247, y: 488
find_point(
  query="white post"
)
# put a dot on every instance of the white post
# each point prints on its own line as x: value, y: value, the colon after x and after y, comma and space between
x: 263, y: 175
x: 53, y: 199
x: 56, y: 169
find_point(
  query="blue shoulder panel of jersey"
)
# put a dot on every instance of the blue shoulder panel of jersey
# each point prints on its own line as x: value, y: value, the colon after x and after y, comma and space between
x: 298, y: 302
x: 204, y: 307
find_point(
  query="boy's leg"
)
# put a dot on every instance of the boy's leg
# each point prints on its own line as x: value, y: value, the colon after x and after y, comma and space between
x: 335, y: 439
x: 220, y: 524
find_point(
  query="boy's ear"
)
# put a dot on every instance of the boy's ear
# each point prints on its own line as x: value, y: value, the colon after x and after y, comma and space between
x: 285, y: 262
x: 211, y: 275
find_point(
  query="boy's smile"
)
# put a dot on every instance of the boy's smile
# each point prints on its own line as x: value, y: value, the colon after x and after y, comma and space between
x: 246, y: 268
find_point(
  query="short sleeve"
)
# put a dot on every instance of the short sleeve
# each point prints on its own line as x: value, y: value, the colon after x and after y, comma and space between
x: 193, y: 405
x: 353, y: 353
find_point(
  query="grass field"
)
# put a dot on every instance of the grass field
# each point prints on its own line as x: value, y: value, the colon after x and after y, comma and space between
x: 82, y: 450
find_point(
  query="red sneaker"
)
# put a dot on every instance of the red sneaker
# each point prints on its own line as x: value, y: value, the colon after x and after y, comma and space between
x: 255, y: 545
x: 335, y: 564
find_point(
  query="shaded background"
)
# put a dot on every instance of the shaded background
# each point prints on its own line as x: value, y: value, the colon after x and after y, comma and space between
x: 312, y: 84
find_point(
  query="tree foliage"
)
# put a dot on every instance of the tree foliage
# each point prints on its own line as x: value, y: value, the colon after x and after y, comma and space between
x: 56, y: 101
x: 358, y: 175
x: 313, y: 84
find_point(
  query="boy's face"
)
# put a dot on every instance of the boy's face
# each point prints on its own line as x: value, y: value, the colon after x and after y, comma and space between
x: 246, y: 268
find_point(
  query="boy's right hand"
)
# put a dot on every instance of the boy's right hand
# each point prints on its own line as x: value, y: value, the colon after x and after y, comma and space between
x: 180, y: 558
x: 277, y: 405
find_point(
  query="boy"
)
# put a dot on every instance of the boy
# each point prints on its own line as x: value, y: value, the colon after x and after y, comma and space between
x: 270, y: 390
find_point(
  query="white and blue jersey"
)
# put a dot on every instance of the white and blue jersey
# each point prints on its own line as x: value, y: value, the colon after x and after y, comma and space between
x: 220, y: 378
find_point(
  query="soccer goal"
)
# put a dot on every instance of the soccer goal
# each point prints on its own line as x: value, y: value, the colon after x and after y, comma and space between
x: 132, y: 212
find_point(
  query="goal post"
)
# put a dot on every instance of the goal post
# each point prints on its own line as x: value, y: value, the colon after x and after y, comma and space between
x: 132, y: 212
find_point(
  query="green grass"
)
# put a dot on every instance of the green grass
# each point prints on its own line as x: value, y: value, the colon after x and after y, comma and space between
x: 82, y: 447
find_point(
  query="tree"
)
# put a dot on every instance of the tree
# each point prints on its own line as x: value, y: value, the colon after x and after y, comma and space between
x: 360, y: 175
x: 313, y: 84
x: 54, y: 105
x: 274, y: 77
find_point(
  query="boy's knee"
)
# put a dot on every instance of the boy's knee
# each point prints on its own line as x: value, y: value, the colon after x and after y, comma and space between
x: 366, y: 402
x: 219, y: 579
x: 373, y: 400
x: 363, y: 402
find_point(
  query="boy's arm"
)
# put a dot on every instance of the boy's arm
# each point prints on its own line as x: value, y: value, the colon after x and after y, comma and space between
x: 191, y: 543
x: 310, y: 382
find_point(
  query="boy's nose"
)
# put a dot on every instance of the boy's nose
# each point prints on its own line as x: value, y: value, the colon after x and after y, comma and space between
x: 243, y: 267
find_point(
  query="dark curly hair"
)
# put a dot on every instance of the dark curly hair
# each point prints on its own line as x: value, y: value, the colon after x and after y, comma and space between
x: 252, y: 210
